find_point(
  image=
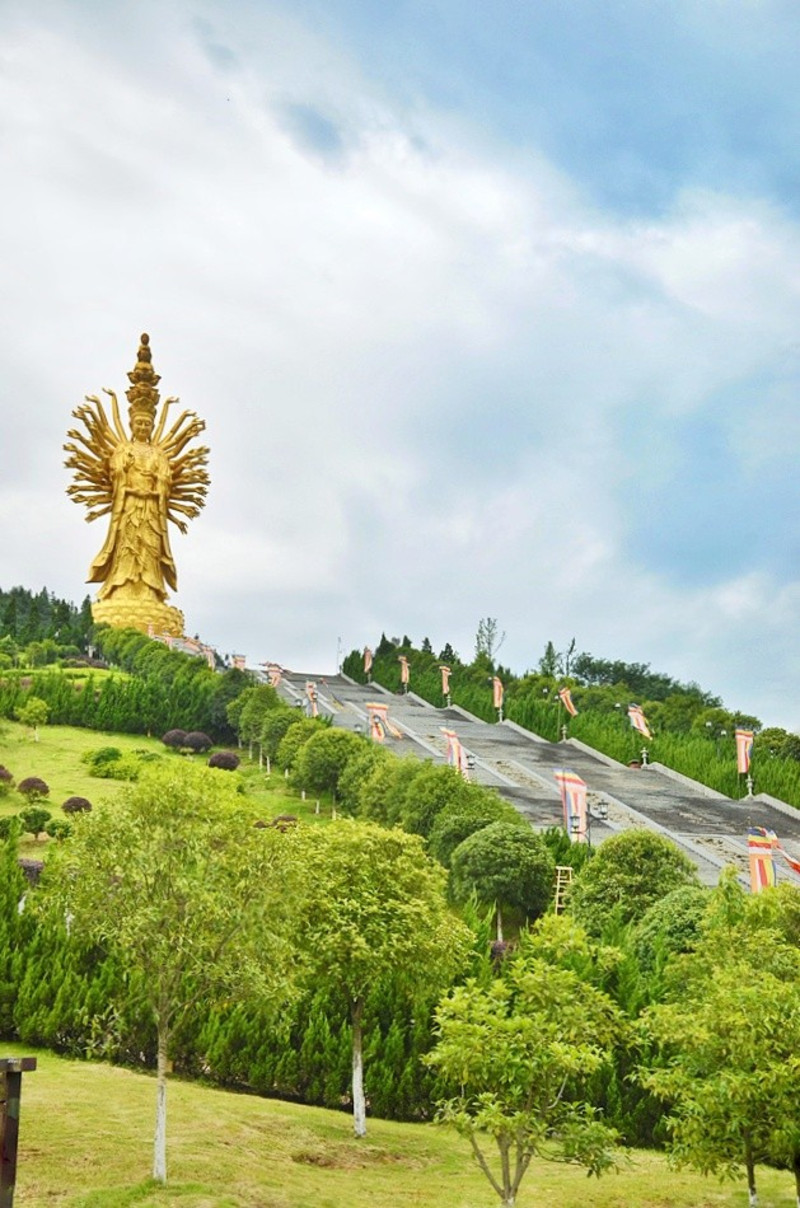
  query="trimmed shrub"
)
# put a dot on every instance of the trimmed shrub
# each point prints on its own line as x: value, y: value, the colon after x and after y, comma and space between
x: 58, y: 829
x: 5, y: 776
x: 175, y: 739
x: 196, y: 740
x: 32, y: 868
x: 76, y: 805
x: 34, y: 819
x: 7, y: 825
x: 109, y: 763
x: 33, y: 787
x: 100, y: 757
x: 227, y: 760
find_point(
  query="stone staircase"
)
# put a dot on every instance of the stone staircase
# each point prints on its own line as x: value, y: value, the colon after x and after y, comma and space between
x: 710, y: 828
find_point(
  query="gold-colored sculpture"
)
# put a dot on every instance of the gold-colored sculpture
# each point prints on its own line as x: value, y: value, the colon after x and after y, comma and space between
x: 141, y: 481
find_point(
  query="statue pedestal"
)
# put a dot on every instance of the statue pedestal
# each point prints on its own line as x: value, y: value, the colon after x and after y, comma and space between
x: 122, y: 613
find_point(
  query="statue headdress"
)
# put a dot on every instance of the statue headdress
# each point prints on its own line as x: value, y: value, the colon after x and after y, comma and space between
x: 142, y: 394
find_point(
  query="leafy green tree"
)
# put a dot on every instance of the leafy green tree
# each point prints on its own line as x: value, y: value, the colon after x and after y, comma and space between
x: 549, y: 662
x: 357, y: 771
x: 294, y: 738
x: 14, y: 924
x: 33, y: 713
x: 34, y: 819
x: 321, y: 761
x: 512, y: 1055
x: 275, y: 725
x: 461, y: 818
x: 248, y: 712
x: 488, y: 639
x: 376, y: 916
x: 628, y: 873
x: 433, y: 788
x: 382, y: 794
x: 161, y: 881
x: 672, y: 925
x: 729, y: 1034
x: 504, y: 865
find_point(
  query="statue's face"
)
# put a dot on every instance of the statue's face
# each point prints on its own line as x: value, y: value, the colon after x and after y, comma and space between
x: 142, y: 427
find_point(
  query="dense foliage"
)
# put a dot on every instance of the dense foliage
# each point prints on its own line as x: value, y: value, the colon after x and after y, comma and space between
x: 154, y: 690
x: 692, y: 732
x: 42, y: 618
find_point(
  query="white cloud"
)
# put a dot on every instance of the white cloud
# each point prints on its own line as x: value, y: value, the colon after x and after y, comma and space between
x: 416, y: 358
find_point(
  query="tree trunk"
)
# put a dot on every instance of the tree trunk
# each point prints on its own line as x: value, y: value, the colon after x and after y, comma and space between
x: 750, y: 1167
x: 359, y: 1103
x: 796, y: 1168
x: 160, y: 1142
x: 499, y: 924
x: 505, y: 1166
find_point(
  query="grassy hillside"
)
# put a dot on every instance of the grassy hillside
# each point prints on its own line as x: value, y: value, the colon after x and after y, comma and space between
x: 86, y: 1143
x: 56, y: 758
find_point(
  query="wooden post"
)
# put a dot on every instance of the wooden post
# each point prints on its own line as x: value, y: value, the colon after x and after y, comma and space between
x: 11, y: 1070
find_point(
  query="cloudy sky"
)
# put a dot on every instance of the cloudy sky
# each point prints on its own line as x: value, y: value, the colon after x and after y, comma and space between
x: 491, y: 310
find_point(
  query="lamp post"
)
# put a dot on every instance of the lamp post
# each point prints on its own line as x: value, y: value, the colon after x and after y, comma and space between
x: 11, y: 1071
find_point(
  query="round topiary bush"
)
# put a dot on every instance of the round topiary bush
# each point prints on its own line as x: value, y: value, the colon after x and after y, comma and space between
x: 33, y: 787
x: 196, y: 740
x: 34, y: 819
x: 76, y: 805
x: 228, y: 760
x: 32, y: 869
x: 58, y: 829
x: 5, y: 775
x: 174, y: 738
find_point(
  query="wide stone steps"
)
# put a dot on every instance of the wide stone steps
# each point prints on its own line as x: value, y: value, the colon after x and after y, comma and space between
x: 712, y: 829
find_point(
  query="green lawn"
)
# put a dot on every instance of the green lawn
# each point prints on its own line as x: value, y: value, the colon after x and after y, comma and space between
x: 56, y: 758
x: 85, y: 1142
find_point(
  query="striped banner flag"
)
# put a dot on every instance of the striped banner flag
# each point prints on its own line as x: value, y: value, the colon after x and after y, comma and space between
x: 573, y: 800
x: 790, y: 860
x: 378, y: 727
x: 403, y: 661
x: 565, y: 696
x: 367, y: 660
x: 311, y: 697
x: 761, y: 845
x: 638, y: 720
x: 445, y: 680
x: 456, y: 755
x: 497, y: 692
x: 744, y: 750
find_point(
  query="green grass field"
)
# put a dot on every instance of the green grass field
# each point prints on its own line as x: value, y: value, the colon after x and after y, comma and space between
x: 86, y: 1142
x: 56, y: 758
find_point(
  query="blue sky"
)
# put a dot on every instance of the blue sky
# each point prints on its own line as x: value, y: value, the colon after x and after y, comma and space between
x: 489, y: 311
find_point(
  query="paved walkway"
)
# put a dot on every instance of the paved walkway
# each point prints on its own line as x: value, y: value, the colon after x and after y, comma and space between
x: 710, y: 828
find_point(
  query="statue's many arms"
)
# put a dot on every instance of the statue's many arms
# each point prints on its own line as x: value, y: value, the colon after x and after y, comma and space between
x: 141, y: 481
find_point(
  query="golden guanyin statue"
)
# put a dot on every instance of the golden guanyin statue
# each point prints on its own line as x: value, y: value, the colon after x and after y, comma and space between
x: 141, y: 481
